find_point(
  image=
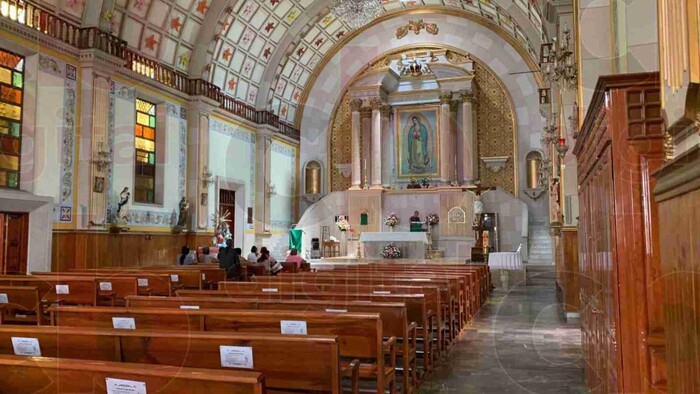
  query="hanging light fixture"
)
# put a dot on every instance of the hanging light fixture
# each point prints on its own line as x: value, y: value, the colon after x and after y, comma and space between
x: 356, y: 13
x: 558, y: 62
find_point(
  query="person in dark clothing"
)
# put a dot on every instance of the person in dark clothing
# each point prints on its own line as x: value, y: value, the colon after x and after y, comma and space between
x: 229, y: 261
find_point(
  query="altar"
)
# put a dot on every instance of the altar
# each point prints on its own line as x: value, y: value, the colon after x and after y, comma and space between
x: 413, y: 245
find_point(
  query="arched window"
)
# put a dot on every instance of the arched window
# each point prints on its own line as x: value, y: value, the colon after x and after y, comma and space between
x: 11, y: 95
x: 145, y: 155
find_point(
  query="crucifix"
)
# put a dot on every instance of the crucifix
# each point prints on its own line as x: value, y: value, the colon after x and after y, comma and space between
x: 478, y: 251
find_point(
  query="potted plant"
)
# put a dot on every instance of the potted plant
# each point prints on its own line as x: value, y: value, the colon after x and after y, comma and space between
x: 391, y: 251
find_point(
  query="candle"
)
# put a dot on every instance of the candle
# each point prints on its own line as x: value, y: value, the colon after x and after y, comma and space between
x: 562, y: 141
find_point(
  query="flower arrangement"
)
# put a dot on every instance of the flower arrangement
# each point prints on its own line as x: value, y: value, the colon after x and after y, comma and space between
x: 342, y: 223
x: 432, y: 219
x: 391, y: 220
x: 391, y: 251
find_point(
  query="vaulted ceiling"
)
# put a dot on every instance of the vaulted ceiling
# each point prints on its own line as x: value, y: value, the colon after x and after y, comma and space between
x: 264, y: 52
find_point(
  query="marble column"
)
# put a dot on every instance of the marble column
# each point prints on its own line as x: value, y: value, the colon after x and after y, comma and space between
x: 386, y: 141
x: 198, y: 164
x: 446, y: 161
x: 376, y: 105
x: 263, y: 142
x: 355, y: 105
x: 468, y: 144
x: 454, y: 143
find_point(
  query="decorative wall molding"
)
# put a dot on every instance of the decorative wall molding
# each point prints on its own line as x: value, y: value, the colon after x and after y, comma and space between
x: 283, y: 149
x: 182, y: 170
x: 127, y: 93
x: 416, y: 27
x: 456, y: 215
x: 235, y: 131
x: 49, y: 65
x: 110, y: 141
x: 67, y: 149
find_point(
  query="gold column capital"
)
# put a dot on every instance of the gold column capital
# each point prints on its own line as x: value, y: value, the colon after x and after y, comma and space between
x: 445, y: 98
x: 356, y: 105
x: 467, y: 96
x: 386, y: 110
x: 376, y: 103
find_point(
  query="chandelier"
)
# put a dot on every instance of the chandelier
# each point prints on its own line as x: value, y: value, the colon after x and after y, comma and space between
x: 356, y: 13
x: 558, y: 63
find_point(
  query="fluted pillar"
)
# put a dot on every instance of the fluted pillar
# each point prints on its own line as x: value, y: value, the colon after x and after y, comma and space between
x: 376, y: 104
x: 355, y: 106
x: 446, y: 160
x: 454, y: 142
x: 386, y: 135
x: 468, y: 144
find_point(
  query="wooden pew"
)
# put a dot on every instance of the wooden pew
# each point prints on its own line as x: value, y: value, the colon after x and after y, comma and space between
x: 111, y: 290
x: 451, y: 294
x: 417, y: 310
x: 69, y: 290
x: 276, y: 356
x: 148, y: 283
x: 180, y: 278
x: 361, y: 335
x: 431, y: 293
x: 31, y: 375
x: 393, y: 315
x: 20, y: 304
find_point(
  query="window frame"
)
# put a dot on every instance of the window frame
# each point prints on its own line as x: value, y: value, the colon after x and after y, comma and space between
x: 19, y: 121
x: 140, y: 164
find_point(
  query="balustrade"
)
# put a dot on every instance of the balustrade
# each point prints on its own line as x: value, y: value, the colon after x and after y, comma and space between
x: 67, y: 32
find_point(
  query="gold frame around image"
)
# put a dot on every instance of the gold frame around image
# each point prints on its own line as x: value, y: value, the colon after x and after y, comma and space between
x: 400, y: 139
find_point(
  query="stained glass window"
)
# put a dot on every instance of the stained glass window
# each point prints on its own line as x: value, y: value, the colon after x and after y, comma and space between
x: 145, y: 155
x: 11, y: 97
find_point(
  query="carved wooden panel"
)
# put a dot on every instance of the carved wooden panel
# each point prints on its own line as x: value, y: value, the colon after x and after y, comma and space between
x: 369, y: 202
x: 453, y: 228
x: 621, y: 144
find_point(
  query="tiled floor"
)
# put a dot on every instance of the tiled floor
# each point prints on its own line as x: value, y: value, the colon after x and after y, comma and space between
x: 518, y: 343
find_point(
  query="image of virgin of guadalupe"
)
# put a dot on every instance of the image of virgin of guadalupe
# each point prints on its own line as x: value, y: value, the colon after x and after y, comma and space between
x: 418, y: 158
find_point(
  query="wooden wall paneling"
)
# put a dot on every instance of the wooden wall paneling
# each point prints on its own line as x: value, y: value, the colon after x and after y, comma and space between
x: 447, y: 202
x: 677, y: 192
x: 621, y: 143
x: 568, y: 250
x: 84, y: 249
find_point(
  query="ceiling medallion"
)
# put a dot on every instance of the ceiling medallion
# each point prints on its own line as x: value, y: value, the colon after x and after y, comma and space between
x: 416, y: 27
x: 357, y: 13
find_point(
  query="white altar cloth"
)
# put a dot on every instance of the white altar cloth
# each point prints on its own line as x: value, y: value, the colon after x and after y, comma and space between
x: 505, y: 261
x: 411, y: 244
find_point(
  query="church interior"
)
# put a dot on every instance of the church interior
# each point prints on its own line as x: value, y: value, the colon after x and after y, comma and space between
x: 345, y: 196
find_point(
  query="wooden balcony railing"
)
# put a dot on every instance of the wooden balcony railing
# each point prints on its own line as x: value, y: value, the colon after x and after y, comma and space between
x: 60, y: 29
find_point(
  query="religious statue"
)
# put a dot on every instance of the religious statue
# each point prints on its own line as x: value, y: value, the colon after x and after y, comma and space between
x: 122, y: 207
x: 416, y: 66
x: 221, y: 226
x: 554, y: 199
x: 184, y: 210
x: 478, y: 205
x: 418, y: 157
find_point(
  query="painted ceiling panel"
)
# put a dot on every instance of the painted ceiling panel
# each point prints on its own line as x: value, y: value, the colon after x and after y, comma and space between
x: 162, y: 29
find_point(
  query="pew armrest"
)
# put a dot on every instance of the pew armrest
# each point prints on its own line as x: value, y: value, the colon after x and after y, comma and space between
x: 390, y: 348
x: 352, y: 371
x: 413, y: 333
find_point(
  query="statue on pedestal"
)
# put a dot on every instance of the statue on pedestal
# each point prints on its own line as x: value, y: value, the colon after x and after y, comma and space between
x: 182, y: 218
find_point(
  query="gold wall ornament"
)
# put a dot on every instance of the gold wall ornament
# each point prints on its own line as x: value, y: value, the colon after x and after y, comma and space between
x: 456, y: 215
x: 456, y: 57
x: 356, y: 105
x: 668, y: 146
x: 416, y: 27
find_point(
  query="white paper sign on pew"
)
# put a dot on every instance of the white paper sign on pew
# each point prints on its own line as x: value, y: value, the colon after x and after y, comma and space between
x: 331, y: 310
x: 189, y: 307
x: 293, y: 327
x: 62, y: 289
x: 174, y: 278
x: 142, y: 282
x: 269, y: 290
x: 4, y: 299
x: 236, y: 356
x: 121, y: 386
x: 381, y: 292
x: 26, y: 346
x: 123, y: 323
x: 106, y: 286
x: 204, y: 276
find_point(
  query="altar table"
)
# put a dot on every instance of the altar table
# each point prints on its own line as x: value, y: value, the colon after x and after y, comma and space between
x: 412, y: 245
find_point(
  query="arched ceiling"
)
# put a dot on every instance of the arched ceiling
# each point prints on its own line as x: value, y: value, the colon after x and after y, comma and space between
x: 263, y: 52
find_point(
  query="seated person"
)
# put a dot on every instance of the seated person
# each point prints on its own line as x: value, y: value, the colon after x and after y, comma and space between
x: 253, y: 255
x: 271, y: 265
x: 241, y: 259
x: 295, y: 258
x: 206, y: 257
x: 185, y: 257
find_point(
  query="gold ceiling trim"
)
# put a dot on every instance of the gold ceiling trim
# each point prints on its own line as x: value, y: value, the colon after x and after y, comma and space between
x: 416, y: 27
x: 439, y: 10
